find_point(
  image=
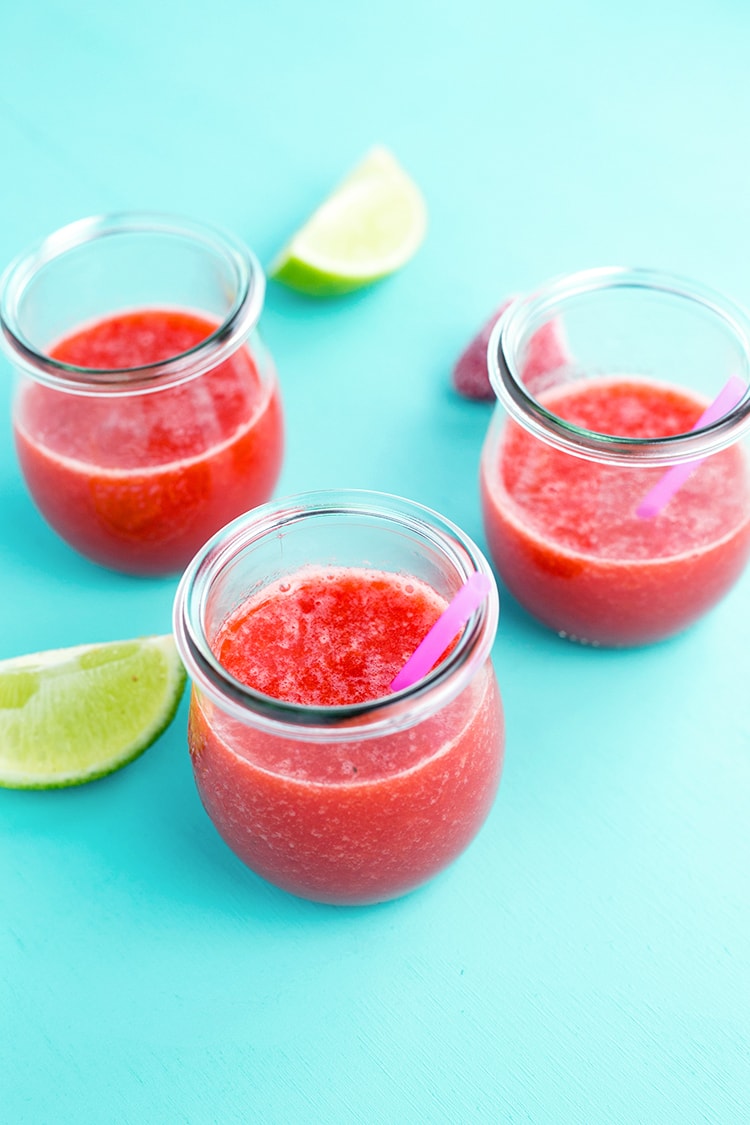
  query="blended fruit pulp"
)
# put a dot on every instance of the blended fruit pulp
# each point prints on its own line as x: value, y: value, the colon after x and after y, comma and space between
x: 359, y: 821
x: 138, y: 482
x: 564, y: 535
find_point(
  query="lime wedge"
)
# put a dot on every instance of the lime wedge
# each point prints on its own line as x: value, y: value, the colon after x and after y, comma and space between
x: 71, y: 715
x: 369, y: 227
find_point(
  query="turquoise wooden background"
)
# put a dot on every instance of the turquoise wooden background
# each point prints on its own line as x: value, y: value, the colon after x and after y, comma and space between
x: 586, y: 961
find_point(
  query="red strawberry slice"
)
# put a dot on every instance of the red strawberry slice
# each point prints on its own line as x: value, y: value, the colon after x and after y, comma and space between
x: 470, y: 374
x: 546, y: 352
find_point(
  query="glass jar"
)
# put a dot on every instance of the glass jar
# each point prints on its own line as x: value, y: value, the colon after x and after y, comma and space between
x: 147, y: 413
x: 352, y: 803
x: 602, y: 379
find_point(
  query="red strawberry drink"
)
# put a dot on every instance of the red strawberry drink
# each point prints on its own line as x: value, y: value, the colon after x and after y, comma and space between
x: 316, y: 774
x: 563, y: 478
x: 148, y: 414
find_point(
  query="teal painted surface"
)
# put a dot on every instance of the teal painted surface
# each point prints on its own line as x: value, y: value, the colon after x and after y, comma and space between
x: 587, y: 959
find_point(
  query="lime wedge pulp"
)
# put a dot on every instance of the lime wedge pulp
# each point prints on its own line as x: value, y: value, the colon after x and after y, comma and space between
x: 71, y: 715
x: 370, y: 226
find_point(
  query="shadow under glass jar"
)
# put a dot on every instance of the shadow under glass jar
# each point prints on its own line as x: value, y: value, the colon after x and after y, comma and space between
x: 576, y: 446
x: 346, y: 803
x: 147, y: 412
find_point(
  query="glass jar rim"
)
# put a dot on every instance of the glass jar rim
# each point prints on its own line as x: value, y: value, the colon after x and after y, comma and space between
x: 236, y: 326
x: 340, y: 723
x: 525, y: 313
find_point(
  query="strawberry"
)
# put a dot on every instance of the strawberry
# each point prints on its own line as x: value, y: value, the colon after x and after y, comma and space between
x: 546, y: 351
x: 470, y: 374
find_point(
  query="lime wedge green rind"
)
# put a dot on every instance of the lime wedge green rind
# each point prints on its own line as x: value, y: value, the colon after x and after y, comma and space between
x: 73, y: 715
x: 314, y: 282
x: 369, y: 227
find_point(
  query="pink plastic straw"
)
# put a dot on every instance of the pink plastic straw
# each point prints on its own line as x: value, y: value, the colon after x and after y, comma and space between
x: 448, y: 625
x: 664, y: 489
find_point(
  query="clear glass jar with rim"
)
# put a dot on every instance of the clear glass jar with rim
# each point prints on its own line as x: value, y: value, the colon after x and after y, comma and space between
x: 147, y: 412
x: 616, y: 510
x: 346, y: 803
